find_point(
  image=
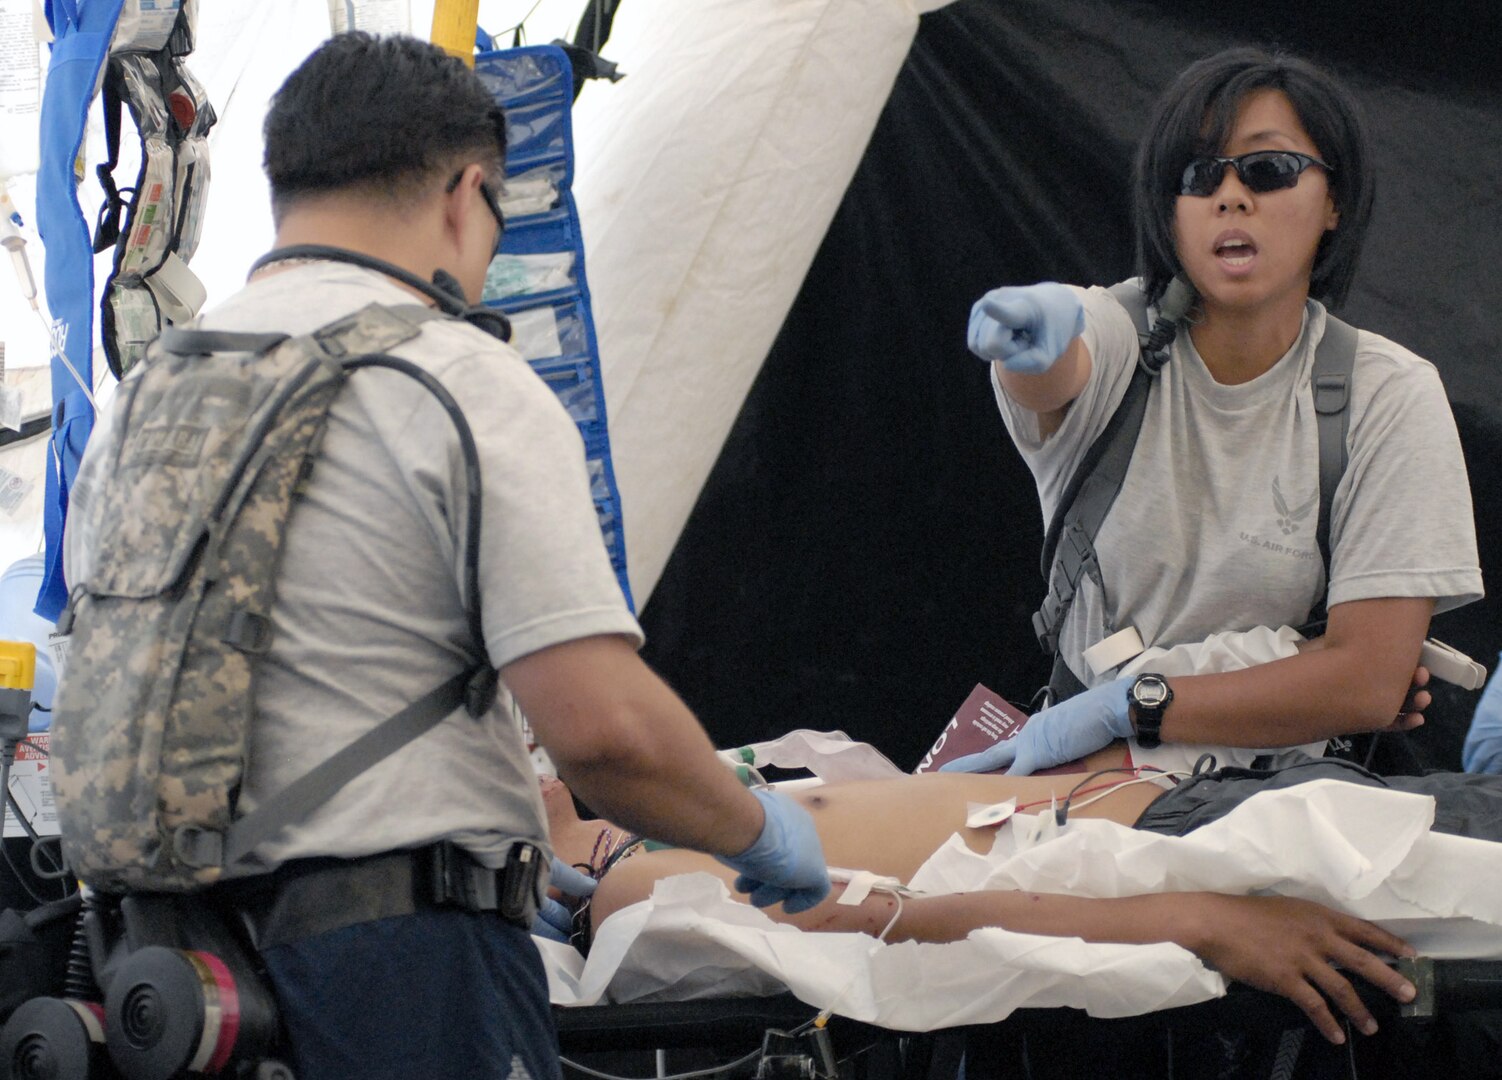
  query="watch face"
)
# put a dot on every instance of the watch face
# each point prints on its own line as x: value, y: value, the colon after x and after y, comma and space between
x: 1150, y: 692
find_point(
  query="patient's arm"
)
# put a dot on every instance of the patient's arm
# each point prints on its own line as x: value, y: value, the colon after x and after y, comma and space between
x: 1282, y: 945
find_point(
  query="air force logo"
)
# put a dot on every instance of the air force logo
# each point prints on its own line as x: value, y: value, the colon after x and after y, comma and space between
x: 1291, y: 517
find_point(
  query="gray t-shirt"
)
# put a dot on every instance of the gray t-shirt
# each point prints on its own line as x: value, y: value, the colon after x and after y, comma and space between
x: 369, y: 612
x: 1214, y: 527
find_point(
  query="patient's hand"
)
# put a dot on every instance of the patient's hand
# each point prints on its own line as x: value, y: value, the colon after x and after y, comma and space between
x: 1298, y: 949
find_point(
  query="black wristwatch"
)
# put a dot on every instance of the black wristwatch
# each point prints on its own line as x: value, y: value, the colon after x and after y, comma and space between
x: 1148, y: 697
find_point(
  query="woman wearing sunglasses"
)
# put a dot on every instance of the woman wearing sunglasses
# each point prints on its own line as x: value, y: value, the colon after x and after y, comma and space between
x: 1252, y: 184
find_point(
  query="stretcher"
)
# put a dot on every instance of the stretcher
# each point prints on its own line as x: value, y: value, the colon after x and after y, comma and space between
x: 1451, y: 1030
x: 1035, y: 1003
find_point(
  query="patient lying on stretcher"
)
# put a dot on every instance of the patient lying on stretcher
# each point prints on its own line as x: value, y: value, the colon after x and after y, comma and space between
x: 1295, y: 948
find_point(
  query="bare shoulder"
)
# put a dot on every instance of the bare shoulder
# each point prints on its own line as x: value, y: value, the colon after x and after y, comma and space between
x: 631, y: 880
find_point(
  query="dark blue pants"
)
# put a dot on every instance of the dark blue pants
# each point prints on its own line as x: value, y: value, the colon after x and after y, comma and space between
x: 441, y: 993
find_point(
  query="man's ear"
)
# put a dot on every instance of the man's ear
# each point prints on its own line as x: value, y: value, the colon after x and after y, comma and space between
x: 1332, y: 214
x: 458, y: 200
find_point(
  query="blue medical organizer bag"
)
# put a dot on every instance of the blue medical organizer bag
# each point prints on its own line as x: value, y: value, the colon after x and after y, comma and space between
x: 537, y: 278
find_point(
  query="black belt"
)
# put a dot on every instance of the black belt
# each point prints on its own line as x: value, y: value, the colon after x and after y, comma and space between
x: 305, y: 897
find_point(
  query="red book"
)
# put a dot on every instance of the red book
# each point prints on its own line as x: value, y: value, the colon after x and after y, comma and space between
x: 982, y: 721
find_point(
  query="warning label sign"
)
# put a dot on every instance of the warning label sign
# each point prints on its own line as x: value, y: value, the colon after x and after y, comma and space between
x: 31, y: 788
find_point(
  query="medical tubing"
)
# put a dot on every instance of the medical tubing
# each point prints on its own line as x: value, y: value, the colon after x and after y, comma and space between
x: 1175, y: 303
x: 57, y: 869
x: 718, y: 1070
x: 824, y: 1014
x: 472, y: 486
x: 1061, y: 814
x: 59, y: 354
x: 1142, y: 774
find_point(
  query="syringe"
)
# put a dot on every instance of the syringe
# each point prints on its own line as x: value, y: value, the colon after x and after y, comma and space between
x: 13, y: 242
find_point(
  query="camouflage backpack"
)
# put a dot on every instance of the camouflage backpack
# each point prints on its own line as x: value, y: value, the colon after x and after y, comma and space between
x: 214, y: 433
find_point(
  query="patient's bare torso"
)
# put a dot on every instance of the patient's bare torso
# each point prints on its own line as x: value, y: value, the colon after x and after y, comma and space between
x: 889, y: 827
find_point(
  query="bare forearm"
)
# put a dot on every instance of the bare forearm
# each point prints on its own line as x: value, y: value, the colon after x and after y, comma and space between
x: 1134, y: 920
x: 1295, y: 948
x: 1356, y: 681
x: 668, y: 785
x: 630, y: 748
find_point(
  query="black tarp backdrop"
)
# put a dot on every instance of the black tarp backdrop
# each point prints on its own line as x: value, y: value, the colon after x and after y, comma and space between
x: 865, y: 549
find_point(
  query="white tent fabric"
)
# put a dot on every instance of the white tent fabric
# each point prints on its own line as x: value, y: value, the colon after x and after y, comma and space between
x: 705, y: 181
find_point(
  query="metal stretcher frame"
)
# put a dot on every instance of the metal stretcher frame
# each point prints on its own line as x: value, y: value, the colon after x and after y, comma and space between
x: 736, y: 1026
x: 1451, y: 1029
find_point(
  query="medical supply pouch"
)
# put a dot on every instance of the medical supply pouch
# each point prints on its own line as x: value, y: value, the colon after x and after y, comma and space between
x: 150, y: 282
x: 214, y: 434
x: 538, y: 276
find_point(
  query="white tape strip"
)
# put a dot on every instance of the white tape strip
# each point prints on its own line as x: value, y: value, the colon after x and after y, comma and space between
x: 860, y: 884
x: 1114, y: 650
x: 858, y: 889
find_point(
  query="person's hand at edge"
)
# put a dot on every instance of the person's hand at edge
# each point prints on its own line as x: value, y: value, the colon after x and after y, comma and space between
x: 786, y: 863
x: 1025, y: 327
x: 1483, y: 741
x: 1298, y: 949
x: 1065, y: 732
x: 554, y: 920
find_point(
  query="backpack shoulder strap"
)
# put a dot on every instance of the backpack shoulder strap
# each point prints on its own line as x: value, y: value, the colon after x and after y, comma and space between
x: 1069, y: 546
x: 1131, y: 298
x: 1334, y: 361
x: 308, y: 792
x: 358, y: 340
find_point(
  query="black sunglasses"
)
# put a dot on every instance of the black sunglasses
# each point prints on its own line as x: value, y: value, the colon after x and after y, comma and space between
x: 1261, y: 171
x: 488, y: 194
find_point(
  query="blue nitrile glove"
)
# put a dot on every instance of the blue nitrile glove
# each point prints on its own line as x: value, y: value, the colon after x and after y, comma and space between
x: 787, y: 861
x: 1483, y: 743
x: 1026, y: 327
x: 554, y: 921
x: 1066, y: 732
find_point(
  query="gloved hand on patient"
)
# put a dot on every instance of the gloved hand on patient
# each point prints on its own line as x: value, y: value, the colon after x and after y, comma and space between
x: 553, y: 920
x: 1026, y: 327
x: 1065, y: 732
x: 786, y: 863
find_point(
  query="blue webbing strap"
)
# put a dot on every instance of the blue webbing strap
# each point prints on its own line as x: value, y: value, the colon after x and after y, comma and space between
x: 72, y: 423
x: 82, y: 29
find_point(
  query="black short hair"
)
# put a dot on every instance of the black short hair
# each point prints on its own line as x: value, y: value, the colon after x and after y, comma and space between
x: 1194, y: 117
x: 380, y: 114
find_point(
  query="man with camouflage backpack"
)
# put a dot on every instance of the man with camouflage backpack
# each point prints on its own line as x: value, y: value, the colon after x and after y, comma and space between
x: 268, y: 535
